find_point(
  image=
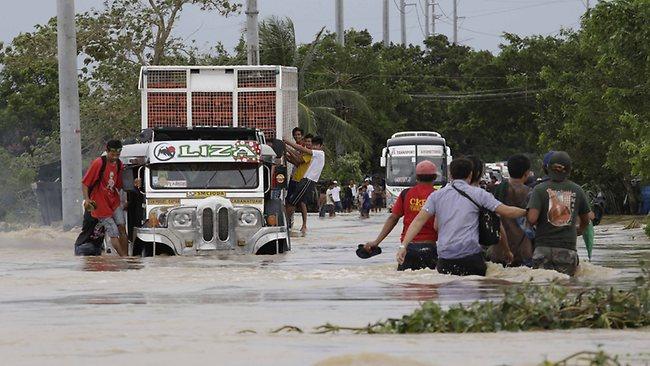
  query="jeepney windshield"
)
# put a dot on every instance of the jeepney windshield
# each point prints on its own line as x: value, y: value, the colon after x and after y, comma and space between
x: 205, y: 175
x: 400, y: 170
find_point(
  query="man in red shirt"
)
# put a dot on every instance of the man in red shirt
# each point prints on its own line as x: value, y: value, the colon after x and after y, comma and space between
x: 421, y: 251
x: 102, y: 196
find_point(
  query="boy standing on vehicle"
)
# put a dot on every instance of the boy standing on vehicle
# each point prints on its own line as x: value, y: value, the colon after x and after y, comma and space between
x: 301, y: 163
x: 554, y: 207
x: 422, y: 252
x: 312, y: 174
x: 101, y: 191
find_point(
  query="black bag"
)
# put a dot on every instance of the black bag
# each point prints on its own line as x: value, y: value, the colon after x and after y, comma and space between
x: 488, y: 223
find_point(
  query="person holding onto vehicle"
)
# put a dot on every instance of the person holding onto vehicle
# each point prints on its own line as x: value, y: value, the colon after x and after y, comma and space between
x: 459, y: 251
x: 421, y: 252
x: 312, y: 174
x: 102, y: 203
x: 556, y: 206
x: 301, y: 163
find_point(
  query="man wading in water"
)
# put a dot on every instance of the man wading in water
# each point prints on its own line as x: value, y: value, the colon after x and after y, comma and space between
x: 103, y: 211
x: 554, y: 207
x: 459, y: 252
x: 514, y: 192
x: 421, y: 251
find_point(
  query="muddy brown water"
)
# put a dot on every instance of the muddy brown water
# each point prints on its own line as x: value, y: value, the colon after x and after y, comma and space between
x: 59, y: 309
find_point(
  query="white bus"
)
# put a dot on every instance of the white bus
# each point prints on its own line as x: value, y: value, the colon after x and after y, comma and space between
x: 402, y: 153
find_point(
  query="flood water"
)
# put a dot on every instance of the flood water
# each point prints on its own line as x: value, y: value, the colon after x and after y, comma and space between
x: 59, y: 309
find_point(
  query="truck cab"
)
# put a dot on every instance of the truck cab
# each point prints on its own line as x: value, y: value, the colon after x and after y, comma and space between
x: 213, y: 173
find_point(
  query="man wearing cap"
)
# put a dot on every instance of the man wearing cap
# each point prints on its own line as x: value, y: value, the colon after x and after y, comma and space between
x: 422, y: 249
x: 545, y: 160
x: 336, y: 197
x: 555, y: 207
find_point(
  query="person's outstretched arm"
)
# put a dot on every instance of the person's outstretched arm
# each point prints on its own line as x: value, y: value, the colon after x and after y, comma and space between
x: 389, y: 225
x: 511, y: 212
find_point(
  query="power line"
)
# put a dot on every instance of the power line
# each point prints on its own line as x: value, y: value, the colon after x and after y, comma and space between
x: 475, y: 96
x: 417, y: 14
x: 508, y: 10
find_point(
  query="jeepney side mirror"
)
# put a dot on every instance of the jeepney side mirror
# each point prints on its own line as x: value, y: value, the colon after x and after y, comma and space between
x: 278, y: 147
x: 382, y: 161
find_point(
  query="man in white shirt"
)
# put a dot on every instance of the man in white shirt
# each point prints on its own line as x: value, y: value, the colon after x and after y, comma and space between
x: 370, y: 189
x: 311, y: 176
x: 336, y: 197
x: 329, y: 200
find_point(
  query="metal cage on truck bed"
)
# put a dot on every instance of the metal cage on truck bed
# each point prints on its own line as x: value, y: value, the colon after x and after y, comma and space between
x: 262, y: 97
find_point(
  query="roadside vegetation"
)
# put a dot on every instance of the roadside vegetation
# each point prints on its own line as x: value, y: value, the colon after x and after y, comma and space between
x: 584, y: 91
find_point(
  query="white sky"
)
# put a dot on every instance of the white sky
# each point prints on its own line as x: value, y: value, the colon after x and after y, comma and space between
x: 483, y: 22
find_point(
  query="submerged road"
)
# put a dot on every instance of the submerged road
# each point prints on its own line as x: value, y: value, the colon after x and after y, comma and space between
x: 59, y: 309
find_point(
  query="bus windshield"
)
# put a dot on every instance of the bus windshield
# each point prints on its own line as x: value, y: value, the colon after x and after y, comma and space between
x: 208, y: 175
x: 400, y: 170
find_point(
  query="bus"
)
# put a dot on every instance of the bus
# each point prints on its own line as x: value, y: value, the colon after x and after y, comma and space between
x: 403, y: 151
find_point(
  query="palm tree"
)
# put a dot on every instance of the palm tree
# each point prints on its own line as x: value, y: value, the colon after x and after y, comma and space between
x: 327, y: 112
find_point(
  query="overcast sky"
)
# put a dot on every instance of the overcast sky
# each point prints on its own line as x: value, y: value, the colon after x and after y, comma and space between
x: 483, y: 22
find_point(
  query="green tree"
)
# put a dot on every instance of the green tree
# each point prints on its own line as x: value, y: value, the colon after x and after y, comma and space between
x: 598, y: 96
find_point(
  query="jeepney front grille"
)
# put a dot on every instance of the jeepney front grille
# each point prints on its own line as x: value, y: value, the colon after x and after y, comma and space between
x: 222, y: 219
x: 208, y: 224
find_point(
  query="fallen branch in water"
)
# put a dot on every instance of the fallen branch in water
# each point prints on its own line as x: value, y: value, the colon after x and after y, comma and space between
x: 599, y: 358
x: 287, y: 328
x: 525, y: 307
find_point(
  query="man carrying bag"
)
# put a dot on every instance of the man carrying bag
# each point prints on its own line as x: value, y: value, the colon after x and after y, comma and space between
x: 459, y: 251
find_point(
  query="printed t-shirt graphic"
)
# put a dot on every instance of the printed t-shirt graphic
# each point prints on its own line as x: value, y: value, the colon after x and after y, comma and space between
x: 560, y: 207
x: 106, y: 191
x: 409, y: 205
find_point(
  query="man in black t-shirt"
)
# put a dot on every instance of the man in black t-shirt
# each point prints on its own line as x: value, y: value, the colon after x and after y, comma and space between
x: 555, y: 207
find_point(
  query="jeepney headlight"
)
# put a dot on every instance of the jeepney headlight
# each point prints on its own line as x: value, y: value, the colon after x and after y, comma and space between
x: 182, y: 217
x: 158, y: 217
x: 248, y: 217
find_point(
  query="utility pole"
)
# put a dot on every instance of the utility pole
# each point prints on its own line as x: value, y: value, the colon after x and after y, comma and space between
x: 385, y: 24
x: 455, y: 38
x: 340, y: 35
x: 252, y: 33
x: 426, y: 19
x: 402, y: 19
x: 69, y: 114
x: 433, y: 18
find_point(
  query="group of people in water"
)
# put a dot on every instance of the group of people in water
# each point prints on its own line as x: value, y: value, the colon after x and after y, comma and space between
x: 539, y: 224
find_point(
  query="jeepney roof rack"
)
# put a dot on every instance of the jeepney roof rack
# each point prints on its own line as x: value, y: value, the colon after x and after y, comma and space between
x: 207, y: 133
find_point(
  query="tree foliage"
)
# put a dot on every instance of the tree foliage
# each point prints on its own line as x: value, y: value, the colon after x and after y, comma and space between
x: 584, y: 91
